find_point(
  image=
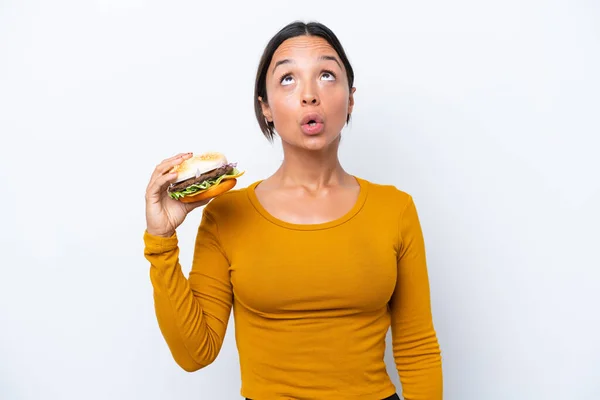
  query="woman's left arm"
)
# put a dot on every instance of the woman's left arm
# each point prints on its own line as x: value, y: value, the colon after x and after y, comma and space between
x: 415, y: 344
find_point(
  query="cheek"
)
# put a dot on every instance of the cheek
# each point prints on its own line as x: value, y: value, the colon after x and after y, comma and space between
x: 284, y: 106
x: 338, y: 104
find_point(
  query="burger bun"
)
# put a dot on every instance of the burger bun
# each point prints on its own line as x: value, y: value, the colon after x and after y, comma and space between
x: 197, y: 165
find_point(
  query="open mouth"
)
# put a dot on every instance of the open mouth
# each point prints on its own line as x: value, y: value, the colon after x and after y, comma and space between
x: 312, y: 124
x: 312, y: 119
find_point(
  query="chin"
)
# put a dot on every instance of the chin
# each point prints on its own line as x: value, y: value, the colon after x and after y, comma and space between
x: 302, y: 141
x: 317, y: 142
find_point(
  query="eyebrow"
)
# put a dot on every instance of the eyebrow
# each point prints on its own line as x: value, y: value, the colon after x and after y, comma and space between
x: 331, y: 58
x: 321, y: 58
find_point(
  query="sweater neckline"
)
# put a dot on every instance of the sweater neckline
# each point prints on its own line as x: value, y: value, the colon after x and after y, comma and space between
x: 360, y: 201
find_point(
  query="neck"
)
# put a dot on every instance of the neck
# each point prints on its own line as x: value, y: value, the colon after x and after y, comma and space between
x: 311, y: 169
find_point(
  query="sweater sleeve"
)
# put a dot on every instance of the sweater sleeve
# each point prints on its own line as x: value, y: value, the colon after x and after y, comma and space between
x: 192, y: 312
x: 415, y: 345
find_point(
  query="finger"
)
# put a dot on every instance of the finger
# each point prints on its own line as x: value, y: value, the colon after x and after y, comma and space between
x: 166, y: 165
x: 158, y: 185
x: 174, y: 157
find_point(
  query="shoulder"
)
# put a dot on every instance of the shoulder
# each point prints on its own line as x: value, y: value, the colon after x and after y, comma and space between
x: 387, y: 195
x: 396, y: 204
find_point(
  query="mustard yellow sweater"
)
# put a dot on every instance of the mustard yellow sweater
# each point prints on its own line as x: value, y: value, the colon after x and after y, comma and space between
x: 312, y: 303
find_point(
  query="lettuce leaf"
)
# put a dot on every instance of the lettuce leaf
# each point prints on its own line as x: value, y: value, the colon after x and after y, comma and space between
x: 196, y: 187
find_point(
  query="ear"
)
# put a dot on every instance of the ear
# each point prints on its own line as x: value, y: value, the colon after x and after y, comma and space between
x: 351, y: 101
x: 266, y: 110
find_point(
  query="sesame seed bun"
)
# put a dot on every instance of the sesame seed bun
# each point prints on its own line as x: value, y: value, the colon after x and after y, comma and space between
x: 199, y: 164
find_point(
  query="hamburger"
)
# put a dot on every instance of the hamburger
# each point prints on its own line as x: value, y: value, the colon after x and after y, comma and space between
x: 202, y: 177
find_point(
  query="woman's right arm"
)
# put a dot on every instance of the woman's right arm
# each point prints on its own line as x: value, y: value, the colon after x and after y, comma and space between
x: 192, y: 312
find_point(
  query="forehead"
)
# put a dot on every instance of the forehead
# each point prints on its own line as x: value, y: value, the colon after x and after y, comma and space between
x: 303, y: 46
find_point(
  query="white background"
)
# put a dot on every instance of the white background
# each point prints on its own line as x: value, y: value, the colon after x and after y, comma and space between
x: 487, y: 112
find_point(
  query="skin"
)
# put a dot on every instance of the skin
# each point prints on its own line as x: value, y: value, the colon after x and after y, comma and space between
x: 310, y: 186
x: 163, y: 214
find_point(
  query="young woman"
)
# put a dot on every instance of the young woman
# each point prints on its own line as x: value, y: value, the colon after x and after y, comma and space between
x: 315, y: 262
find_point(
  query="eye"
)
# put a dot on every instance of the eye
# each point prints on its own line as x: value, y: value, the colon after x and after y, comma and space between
x: 328, y: 76
x: 286, y: 80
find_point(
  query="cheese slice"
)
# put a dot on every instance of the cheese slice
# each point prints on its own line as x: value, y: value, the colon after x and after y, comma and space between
x: 232, y: 176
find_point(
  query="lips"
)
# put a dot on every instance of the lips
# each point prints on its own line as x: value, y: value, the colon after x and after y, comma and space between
x: 312, y: 124
x: 312, y: 118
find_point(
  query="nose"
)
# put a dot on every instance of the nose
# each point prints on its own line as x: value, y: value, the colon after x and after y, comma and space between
x: 310, y: 97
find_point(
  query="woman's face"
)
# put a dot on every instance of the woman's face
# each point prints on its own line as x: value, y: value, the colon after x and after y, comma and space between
x: 306, y: 80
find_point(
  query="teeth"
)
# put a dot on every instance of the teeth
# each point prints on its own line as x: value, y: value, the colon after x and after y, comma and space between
x: 312, y: 123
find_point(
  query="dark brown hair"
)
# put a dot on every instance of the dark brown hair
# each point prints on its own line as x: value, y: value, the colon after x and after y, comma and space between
x: 291, y: 30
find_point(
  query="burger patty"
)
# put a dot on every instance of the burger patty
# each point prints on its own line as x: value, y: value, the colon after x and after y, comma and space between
x: 225, y: 169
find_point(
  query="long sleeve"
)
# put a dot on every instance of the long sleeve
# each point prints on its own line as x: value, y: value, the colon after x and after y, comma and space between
x: 193, y: 312
x: 415, y: 345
